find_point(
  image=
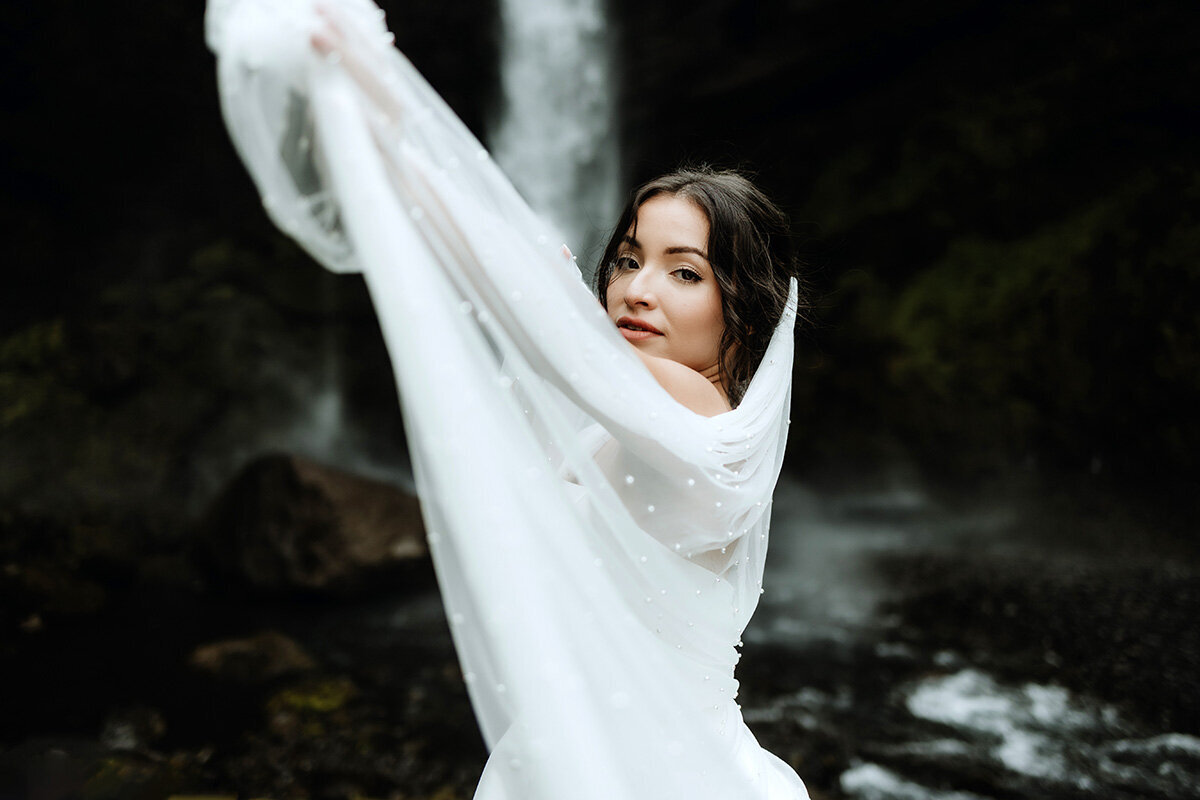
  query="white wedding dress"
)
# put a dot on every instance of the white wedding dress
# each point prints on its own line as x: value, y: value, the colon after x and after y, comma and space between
x: 598, y: 546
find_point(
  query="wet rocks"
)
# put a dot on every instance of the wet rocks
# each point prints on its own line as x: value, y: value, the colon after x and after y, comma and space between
x: 132, y: 728
x: 52, y: 571
x: 1118, y: 631
x: 253, y: 659
x: 287, y: 524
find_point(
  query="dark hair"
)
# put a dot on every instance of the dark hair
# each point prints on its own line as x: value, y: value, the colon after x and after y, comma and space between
x: 751, y: 253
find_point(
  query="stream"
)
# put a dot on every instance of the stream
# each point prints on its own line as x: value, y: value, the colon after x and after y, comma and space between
x: 925, y: 717
x: 905, y: 649
x: 856, y: 671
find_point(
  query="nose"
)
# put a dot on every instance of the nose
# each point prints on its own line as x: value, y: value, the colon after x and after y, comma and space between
x: 639, y: 291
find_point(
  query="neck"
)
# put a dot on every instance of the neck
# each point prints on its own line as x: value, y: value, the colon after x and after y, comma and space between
x: 713, y: 374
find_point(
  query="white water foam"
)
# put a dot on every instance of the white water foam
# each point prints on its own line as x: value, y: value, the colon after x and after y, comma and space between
x: 809, y: 708
x: 873, y: 782
x: 1024, y: 719
x: 1170, y: 760
x: 1045, y: 733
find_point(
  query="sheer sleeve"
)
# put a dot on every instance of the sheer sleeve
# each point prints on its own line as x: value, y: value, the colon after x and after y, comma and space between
x: 614, y: 598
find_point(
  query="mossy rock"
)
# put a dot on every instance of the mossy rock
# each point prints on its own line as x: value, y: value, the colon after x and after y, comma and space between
x: 318, y: 696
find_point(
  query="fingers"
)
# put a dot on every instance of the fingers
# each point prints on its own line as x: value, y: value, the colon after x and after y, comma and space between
x: 331, y: 20
x: 329, y: 37
x: 339, y: 41
x: 322, y: 43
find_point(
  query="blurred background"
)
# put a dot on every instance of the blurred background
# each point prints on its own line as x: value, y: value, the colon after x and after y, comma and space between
x: 984, y: 578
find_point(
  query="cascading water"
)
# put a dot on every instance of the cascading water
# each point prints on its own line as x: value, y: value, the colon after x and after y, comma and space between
x: 555, y: 136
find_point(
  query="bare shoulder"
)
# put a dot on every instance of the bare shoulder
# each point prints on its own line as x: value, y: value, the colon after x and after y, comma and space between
x: 689, y: 388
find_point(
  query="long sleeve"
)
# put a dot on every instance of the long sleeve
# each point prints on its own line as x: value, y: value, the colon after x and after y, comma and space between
x: 613, y: 600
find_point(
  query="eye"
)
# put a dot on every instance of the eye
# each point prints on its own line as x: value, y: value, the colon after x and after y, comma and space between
x: 625, y: 262
x: 688, y: 275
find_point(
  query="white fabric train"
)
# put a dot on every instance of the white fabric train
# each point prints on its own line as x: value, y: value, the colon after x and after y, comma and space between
x: 599, y: 547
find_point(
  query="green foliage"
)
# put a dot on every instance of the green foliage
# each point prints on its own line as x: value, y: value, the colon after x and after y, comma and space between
x: 27, y: 359
x: 991, y: 313
x: 33, y: 346
x: 1078, y: 339
x: 136, y: 398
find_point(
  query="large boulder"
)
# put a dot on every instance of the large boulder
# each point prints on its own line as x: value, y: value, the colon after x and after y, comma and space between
x: 288, y: 524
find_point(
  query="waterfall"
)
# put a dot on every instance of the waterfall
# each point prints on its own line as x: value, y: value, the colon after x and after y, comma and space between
x: 555, y: 136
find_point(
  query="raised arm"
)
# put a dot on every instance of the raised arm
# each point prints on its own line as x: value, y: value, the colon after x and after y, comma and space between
x: 395, y: 186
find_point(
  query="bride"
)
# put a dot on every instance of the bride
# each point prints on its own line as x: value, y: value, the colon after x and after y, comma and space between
x: 596, y: 479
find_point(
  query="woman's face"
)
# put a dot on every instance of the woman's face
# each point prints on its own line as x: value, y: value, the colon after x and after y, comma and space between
x: 663, y: 295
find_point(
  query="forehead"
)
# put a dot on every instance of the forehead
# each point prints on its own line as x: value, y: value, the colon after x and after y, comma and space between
x: 668, y: 219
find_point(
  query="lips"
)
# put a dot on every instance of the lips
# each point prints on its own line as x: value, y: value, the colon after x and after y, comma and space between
x: 634, y: 330
x: 631, y: 325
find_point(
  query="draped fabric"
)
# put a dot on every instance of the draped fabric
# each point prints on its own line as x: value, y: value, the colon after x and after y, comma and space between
x: 599, y: 547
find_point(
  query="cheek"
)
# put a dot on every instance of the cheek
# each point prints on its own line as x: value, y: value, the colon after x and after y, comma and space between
x: 614, y: 293
x: 705, y: 325
x: 610, y: 299
x: 715, y: 317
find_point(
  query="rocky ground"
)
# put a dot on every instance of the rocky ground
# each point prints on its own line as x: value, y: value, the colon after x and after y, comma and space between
x: 184, y: 680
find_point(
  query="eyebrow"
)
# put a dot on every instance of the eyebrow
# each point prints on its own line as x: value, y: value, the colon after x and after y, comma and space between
x: 670, y: 250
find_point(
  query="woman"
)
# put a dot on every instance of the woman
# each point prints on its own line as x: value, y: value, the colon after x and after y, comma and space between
x: 597, y: 513
x: 729, y: 222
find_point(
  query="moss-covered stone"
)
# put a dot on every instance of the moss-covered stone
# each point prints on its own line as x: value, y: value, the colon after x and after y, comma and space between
x: 318, y: 696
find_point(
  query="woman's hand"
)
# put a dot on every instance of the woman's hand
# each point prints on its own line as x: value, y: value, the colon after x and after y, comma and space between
x: 328, y: 40
x: 340, y: 43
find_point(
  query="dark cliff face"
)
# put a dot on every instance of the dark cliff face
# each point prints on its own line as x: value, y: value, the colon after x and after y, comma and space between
x: 1000, y: 203
x: 113, y: 134
x: 154, y: 325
